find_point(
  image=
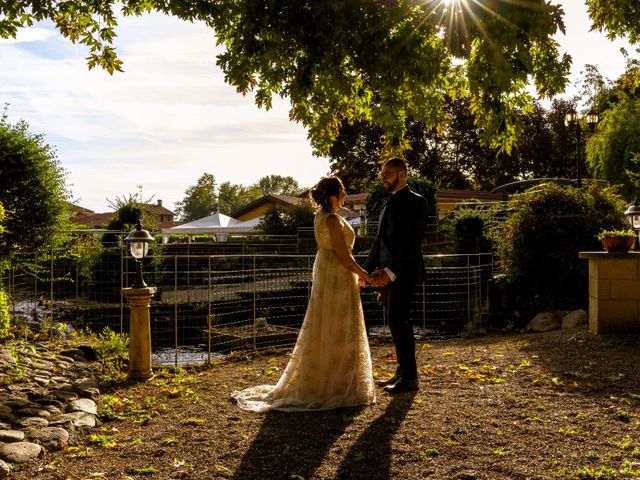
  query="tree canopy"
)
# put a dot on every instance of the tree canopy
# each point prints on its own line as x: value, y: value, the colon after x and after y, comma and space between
x: 357, y: 60
x: 455, y: 157
x: 200, y: 200
x: 32, y: 188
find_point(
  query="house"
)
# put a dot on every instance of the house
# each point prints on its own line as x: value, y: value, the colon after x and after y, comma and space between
x: 88, y: 218
x: 355, y: 203
x: 259, y: 207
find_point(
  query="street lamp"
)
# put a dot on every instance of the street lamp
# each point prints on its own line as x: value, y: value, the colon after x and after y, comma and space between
x: 633, y: 217
x: 139, y: 241
x: 572, y: 118
x: 361, y: 209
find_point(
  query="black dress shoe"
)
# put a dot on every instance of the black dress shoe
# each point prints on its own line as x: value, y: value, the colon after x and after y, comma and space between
x: 389, y: 381
x: 402, y: 386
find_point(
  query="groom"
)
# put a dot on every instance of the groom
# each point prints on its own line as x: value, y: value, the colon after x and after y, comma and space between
x: 396, y: 260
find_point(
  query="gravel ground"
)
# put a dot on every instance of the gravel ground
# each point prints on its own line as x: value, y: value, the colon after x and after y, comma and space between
x: 511, y: 406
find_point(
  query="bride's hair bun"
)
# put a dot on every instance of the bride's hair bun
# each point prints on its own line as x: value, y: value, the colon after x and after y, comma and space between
x: 325, y: 188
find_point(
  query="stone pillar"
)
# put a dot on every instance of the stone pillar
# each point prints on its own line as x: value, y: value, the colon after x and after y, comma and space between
x: 139, y: 332
x: 614, y: 291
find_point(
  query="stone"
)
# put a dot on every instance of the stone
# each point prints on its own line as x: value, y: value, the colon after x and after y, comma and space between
x: 5, y: 469
x: 33, y: 412
x: 87, y: 387
x: 51, y: 438
x: 10, y: 436
x: 43, y: 382
x: 575, y: 319
x: 28, y: 422
x: 544, y: 322
x: 75, y: 353
x: 5, y: 426
x: 64, y: 395
x: 20, y: 452
x: 83, y: 405
x: 64, y: 358
x: 74, y: 420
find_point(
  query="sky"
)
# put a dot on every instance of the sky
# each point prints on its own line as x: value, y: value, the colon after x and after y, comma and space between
x: 170, y: 117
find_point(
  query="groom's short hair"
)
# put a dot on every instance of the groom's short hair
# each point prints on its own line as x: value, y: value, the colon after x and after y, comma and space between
x: 397, y: 163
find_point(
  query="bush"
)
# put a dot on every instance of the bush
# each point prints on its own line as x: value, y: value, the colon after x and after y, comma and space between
x: 468, y: 228
x: 4, y: 316
x: 539, y: 243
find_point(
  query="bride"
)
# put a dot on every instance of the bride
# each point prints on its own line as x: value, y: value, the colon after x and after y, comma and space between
x: 330, y: 366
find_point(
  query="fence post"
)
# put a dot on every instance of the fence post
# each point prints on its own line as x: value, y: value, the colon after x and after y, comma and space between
x: 51, y: 285
x: 468, y: 292
x: 175, y: 308
x: 254, y: 301
x: 122, y: 281
x: 209, y: 314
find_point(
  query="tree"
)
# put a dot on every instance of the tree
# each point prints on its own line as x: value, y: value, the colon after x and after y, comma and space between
x: 200, y: 200
x: 285, y: 220
x: 233, y: 196
x: 539, y: 242
x: 32, y: 188
x: 278, y: 185
x: 619, y: 18
x: 356, y: 60
x: 617, y: 140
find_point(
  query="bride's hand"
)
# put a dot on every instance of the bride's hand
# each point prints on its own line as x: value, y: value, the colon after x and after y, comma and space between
x: 368, y: 279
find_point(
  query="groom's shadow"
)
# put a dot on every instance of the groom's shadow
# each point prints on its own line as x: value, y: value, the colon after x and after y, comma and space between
x: 370, y: 455
x: 293, y: 444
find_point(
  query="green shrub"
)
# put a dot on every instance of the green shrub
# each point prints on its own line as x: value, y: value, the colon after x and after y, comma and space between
x: 4, y: 315
x: 468, y: 228
x: 111, y: 344
x: 540, y: 240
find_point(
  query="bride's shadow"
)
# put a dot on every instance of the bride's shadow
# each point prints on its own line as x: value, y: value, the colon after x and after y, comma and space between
x: 293, y: 444
x: 370, y: 455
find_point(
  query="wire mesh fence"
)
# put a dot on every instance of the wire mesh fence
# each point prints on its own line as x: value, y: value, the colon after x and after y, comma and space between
x: 208, y: 305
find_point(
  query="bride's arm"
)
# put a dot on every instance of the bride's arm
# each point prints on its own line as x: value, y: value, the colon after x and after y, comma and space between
x: 343, y: 253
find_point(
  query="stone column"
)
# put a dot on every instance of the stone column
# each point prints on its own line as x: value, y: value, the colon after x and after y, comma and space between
x: 139, y: 332
x: 614, y: 291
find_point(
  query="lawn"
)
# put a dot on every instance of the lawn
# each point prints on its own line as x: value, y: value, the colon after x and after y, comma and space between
x: 509, y: 406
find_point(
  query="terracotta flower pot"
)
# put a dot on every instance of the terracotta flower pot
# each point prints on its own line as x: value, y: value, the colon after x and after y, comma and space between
x: 618, y: 244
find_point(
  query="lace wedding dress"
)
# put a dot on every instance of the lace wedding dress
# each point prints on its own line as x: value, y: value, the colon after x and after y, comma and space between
x: 330, y: 366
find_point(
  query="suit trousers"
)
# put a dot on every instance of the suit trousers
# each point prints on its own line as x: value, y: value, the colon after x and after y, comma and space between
x: 396, y: 300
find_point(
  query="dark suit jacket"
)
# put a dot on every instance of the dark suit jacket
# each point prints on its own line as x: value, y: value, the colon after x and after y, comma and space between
x: 398, y: 242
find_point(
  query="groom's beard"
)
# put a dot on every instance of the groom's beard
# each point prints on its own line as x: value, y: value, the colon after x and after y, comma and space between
x: 391, y: 186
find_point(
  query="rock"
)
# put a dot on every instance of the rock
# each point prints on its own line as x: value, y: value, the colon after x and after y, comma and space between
x: 75, y: 353
x: 43, y: 382
x: 83, y: 405
x: 74, y: 420
x: 51, y: 438
x: 5, y: 426
x: 33, y: 412
x: 64, y: 395
x: 10, y: 436
x: 87, y: 387
x: 20, y: 452
x: 89, y: 352
x: 544, y: 322
x: 575, y: 319
x: 5, y: 469
x: 28, y: 422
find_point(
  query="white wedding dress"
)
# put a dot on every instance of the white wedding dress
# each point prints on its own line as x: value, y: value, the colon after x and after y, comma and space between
x: 330, y: 366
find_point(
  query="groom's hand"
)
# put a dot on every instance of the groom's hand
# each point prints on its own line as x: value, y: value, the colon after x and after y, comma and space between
x: 380, y: 278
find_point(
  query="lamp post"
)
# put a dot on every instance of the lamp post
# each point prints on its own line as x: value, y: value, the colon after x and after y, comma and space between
x: 139, y: 297
x: 361, y: 209
x: 633, y: 217
x: 572, y: 118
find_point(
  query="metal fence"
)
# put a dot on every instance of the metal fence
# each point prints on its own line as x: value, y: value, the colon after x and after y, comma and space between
x: 211, y: 304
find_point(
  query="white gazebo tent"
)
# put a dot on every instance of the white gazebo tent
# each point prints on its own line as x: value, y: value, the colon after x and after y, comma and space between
x: 218, y: 225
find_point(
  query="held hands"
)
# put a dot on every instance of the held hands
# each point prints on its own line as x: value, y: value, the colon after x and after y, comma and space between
x: 380, y: 278
x: 362, y: 281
